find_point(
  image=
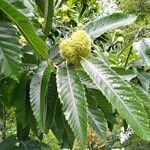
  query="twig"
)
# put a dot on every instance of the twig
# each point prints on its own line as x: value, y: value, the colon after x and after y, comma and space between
x: 125, y: 65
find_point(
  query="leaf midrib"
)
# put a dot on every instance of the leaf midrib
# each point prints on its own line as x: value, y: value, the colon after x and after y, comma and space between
x: 69, y: 82
x: 114, y: 93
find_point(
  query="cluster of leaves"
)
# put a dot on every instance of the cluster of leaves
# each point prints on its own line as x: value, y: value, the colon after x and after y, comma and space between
x: 138, y: 7
x: 47, y: 93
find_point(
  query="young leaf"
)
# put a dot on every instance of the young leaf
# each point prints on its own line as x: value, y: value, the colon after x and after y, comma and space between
x: 72, y: 96
x: 26, y: 28
x: 10, y: 50
x: 38, y: 89
x: 120, y: 94
x: 99, y: 26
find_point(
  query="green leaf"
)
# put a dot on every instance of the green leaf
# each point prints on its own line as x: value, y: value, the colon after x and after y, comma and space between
x: 22, y: 6
x: 72, y: 96
x: 10, y: 50
x: 24, y: 115
x: 26, y: 8
x: 84, y: 5
x: 52, y: 98
x: 22, y: 132
x: 92, y: 104
x: 102, y: 104
x: 61, y: 129
x: 40, y: 4
x: 100, y: 100
x: 6, y: 89
x: 48, y: 15
x: 147, y: 41
x: 97, y: 122
x: 29, y: 59
x: 144, y: 78
x: 99, y: 26
x: 9, y: 143
x: 143, y: 47
x: 125, y: 74
x: 19, y: 95
x: 142, y: 94
x: 120, y: 94
x: 86, y: 80
x: 95, y: 115
x: 38, y: 90
x: 26, y: 28
x: 1, y: 109
x: 54, y: 51
x: 34, y: 145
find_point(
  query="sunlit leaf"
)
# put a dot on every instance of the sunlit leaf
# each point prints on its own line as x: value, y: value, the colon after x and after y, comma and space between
x: 120, y: 94
x: 99, y: 26
x: 72, y: 96
x: 26, y: 28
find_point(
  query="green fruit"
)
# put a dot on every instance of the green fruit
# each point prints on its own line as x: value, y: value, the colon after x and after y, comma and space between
x: 75, y: 47
x: 64, y: 8
x: 120, y: 39
x: 66, y: 19
x: 118, y: 32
